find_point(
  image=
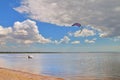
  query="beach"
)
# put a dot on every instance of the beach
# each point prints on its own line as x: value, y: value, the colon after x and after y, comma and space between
x: 8, y: 74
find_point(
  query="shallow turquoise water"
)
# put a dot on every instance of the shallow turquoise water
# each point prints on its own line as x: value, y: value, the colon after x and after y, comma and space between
x: 65, y: 65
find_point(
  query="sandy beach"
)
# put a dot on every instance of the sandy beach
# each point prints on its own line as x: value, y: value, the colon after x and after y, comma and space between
x: 8, y: 74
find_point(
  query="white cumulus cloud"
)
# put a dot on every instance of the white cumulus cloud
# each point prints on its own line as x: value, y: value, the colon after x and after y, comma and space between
x: 27, y: 32
x: 4, y: 34
x: 5, y: 31
x: 116, y: 39
x: 22, y: 32
x: 75, y: 42
x: 84, y: 33
x: 102, y: 14
x: 65, y: 39
x: 90, y: 41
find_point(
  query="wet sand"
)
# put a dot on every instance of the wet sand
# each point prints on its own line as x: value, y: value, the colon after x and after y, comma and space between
x: 93, y: 78
x: 8, y: 74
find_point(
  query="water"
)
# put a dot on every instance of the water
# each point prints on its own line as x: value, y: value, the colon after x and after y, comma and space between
x: 65, y: 65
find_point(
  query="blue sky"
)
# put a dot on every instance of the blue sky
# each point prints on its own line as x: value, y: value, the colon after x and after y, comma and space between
x: 28, y: 25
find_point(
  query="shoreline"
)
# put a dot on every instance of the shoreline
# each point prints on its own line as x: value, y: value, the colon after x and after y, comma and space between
x: 9, y: 74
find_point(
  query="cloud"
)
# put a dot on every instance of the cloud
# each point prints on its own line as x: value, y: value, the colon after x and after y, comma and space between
x: 27, y: 32
x: 75, y: 42
x: 90, y: 41
x: 102, y: 14
x: 102, y: 35
x: 22, y: 32
x: 4, y: 31
x: 65, y: 39
x: 116, y: 39
x: 84, y: 33
x: 4, y: 34
x: 70, y: 33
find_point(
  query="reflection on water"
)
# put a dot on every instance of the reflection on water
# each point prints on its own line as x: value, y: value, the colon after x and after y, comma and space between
x: 66, y: 65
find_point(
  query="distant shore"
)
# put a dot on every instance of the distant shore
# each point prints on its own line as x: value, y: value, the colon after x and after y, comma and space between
x: 8, y: 74
x: 31, y: 52
x: 54, y: 52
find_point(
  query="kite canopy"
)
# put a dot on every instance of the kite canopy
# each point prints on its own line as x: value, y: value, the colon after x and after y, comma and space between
x: 76, y: 24
x: 79, y: 25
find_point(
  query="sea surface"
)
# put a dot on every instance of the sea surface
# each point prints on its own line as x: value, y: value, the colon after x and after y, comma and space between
x: 64, y: 65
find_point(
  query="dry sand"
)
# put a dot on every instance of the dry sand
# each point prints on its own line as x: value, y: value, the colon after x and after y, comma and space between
x: 7, y: 74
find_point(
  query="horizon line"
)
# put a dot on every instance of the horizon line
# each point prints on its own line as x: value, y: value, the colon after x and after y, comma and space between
x: 59, y: 52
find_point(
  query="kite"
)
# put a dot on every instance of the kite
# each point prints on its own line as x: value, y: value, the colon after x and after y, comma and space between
x: 79, y: 25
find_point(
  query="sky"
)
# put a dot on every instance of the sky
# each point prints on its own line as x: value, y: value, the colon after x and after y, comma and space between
x: 45, y: 25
